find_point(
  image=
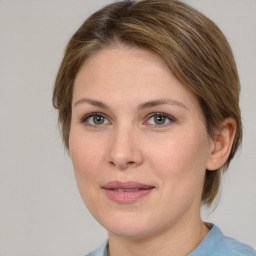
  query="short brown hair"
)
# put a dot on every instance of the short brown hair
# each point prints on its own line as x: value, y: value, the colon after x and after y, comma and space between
x: 193, y: 47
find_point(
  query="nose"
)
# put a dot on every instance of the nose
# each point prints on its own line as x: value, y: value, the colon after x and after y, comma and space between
x: 125, y: 151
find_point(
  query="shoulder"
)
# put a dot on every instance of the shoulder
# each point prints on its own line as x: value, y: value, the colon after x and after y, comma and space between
x: 101, y: 251
x: 230, y: 246
x: 217, y: 244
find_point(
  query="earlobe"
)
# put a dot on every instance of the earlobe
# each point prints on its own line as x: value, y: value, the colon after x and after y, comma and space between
x: 221, y: 144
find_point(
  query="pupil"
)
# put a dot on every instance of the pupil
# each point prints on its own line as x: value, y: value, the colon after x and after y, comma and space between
x: 159, y: 119
x: 98, y: 119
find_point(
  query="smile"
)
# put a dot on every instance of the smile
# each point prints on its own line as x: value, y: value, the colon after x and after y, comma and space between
x: 126, y: 192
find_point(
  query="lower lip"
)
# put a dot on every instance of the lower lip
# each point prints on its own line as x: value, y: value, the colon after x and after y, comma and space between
x: 129, y: 197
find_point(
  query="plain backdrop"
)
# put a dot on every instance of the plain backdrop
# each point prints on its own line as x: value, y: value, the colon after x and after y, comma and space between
x: 41, y: 213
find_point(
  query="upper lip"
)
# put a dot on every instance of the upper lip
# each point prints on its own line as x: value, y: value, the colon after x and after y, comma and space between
x: 126, y: 185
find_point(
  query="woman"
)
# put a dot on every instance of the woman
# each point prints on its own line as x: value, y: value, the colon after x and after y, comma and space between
x: 148, y: 100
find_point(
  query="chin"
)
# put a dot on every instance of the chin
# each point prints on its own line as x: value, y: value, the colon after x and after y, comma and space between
x: 132, y: 226
x: 131, y: 232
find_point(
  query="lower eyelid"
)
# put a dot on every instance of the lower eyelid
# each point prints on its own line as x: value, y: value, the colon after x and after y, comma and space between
x: 84, y: 119
x: 168, y: 117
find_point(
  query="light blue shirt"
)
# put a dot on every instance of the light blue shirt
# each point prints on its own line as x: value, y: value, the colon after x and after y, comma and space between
x: 214, y: 244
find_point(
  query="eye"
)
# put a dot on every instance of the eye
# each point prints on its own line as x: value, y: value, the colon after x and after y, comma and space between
x: 95, y: 119
x: 160, y: 119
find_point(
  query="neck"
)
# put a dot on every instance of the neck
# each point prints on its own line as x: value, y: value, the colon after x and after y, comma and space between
x: 180, y: 240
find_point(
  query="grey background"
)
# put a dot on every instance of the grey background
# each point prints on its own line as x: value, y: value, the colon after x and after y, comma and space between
x: 41, y: 213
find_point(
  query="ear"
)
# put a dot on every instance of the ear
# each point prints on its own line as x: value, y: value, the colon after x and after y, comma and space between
x: 221, y: 144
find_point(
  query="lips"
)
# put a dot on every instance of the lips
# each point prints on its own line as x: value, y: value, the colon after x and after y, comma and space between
x: 126, y: 192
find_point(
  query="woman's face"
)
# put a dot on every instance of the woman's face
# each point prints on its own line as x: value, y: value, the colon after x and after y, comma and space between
x: 138, y: 143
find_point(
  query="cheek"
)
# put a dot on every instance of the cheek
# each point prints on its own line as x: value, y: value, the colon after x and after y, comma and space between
x: 87, y: 158
x: 86, y: 155
x: 181, y: 168
x: 182, y: 159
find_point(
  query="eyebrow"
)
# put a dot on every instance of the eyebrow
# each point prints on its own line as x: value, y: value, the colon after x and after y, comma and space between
x: 153, y: 103
x: 92, y: 102
x: 148, y: 104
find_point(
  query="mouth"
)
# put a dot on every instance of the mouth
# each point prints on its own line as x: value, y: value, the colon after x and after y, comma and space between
x: 126, y: 192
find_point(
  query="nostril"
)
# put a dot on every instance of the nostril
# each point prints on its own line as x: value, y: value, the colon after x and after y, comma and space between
x: 122, y: 165
x: 112, y: 163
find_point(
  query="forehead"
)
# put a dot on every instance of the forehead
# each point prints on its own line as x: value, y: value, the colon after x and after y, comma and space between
x: 123, y: 58
x: 125, y: 73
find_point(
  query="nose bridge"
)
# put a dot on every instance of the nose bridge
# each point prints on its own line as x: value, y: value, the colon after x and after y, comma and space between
x: 124, y: 148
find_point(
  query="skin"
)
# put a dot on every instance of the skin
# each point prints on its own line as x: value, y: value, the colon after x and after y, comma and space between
x: 129, y: 146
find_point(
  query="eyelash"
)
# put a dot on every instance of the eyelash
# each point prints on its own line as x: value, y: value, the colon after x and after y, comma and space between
x: 84, y: 119
x: 161, y: 114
